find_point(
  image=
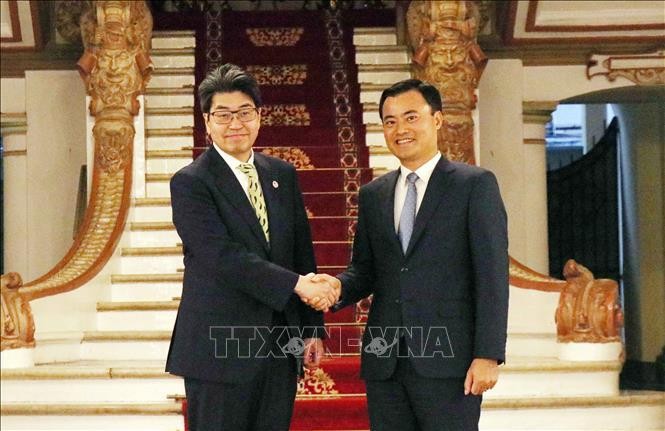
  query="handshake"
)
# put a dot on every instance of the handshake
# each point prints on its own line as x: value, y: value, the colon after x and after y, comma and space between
x: 319, y: 291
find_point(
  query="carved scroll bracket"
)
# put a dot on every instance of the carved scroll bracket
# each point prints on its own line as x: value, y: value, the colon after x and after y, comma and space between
x: 642, y: 69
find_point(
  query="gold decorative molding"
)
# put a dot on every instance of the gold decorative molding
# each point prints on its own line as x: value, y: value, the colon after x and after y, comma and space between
x: 538, y: 112
x: 589, y: 310
x: 13, y: 124
x: 115, y: 67
x: 443, y: 36
x: 535, y: 142
x: 295, y: 156
x: 288, y: 74
x: 316, y: 382
x: 641, y: 69
x: 18, y: 325
x: 285, y: 115
x: 275, y: 36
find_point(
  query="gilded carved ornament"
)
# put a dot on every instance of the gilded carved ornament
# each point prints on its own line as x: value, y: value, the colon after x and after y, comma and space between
x: 641, y: 69
x: 18, y: 326
x: 589, y: 309
x: 115, y: 67
x: 443, y: 36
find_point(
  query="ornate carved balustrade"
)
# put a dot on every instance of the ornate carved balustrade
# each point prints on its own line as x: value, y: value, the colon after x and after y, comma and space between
x: 115, y: 67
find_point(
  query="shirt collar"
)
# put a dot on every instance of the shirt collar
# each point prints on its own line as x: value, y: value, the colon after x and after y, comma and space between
x: 423, y: 172
x: 232, y: 161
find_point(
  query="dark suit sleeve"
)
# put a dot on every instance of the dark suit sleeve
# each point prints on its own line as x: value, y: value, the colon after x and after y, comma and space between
x: 489, y: 255
x: 205, y: 236
x: 358, y: 279
x: 304, y: 263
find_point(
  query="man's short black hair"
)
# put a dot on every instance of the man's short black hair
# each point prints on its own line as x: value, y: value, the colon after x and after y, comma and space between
x: 427, y: 90
x: 227, y: 78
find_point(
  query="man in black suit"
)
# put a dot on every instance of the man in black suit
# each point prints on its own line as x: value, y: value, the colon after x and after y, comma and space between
x: 431, y: 246
x: 242, y: 330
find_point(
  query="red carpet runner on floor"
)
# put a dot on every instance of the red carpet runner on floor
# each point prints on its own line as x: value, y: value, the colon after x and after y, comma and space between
x: 304, y: 62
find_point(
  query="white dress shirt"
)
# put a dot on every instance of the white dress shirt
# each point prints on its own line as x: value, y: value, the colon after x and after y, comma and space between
x: 233, y: 164
x: 424, y: 173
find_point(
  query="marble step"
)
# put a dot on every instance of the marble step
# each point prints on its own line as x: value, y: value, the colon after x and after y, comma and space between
x: 382, y: 54
x: 126, y: 345
x: 172, y: 77
x: 169, y: 97
x: 145, y: 287
x: 164, y: 118
x: 90, y: 382
x: 162, y: 416
x: 371, y: 93
x: 173, y: 39
x: 374, y: 135
x: 166, y: 161
x: 152, y: 234
x: 374, y: 36
x: 386, y: 74
x: 173, y: 142
x: 173, y: 57
x: 151, y: 210
x: 151, y: 260
x: 371, y: 113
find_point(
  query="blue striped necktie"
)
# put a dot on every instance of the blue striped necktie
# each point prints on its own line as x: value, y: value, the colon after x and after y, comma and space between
x: 408, y: 217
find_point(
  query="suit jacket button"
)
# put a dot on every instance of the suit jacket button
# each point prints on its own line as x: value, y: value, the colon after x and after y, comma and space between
x: 397, y: 301
x: 405, y: 269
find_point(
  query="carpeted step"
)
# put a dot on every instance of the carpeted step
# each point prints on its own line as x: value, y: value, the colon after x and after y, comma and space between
x: 327, y: 204
x: 343, y: 338
x: 332, y: 228
x: 344, y: 371
x: 330, y: 413
x: 337, y: 253
x: 316, y: 156
x: 333, y: 180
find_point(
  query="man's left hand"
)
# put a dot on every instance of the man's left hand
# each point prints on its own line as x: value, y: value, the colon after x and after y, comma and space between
x: 313, y: 353
x: 482, y: 376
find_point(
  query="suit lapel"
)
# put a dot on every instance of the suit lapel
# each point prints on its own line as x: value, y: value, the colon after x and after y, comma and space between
x: 431, y: 201
x: 228, y: 184
x: 387, y: 205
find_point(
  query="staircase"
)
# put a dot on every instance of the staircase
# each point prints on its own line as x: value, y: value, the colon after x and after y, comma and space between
x: 119, y: 382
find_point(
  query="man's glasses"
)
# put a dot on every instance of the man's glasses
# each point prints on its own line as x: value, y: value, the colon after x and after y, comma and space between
x: 225, y: 117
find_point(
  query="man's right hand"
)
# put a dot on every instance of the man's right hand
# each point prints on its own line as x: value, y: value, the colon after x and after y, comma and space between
x: 332, y: 281
x: 317, y: 292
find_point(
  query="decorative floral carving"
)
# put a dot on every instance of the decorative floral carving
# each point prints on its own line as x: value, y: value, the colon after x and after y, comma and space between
x: 647, y: 69
x: 295, y: 156
x: 443, y: 37
x: 275, y: 36
x: 292, y: 74
x: 285, y: 115
x: 316, y: 382
x: 18, y: 326
x: 589, y: 309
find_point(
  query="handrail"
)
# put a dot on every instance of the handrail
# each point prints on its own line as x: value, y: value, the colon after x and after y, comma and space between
x: 112, y: 31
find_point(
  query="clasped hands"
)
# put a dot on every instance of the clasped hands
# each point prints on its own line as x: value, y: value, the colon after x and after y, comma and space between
x: 319, y: 291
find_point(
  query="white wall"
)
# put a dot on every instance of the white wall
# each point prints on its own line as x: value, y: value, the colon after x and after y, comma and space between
x: 56, y: 144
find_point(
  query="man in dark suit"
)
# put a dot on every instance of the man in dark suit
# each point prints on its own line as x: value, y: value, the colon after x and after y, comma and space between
x: 431, y: 246
x: 242, y: 329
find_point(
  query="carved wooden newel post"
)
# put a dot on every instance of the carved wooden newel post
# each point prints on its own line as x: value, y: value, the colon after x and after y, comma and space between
x: 443, y: 37
x: 115, y: 67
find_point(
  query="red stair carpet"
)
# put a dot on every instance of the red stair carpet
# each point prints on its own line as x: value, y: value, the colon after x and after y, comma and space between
x: 304, y: 62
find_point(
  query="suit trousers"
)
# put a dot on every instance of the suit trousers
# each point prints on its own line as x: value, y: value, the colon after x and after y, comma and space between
x: 263, y: 403
x: 408, y: 401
